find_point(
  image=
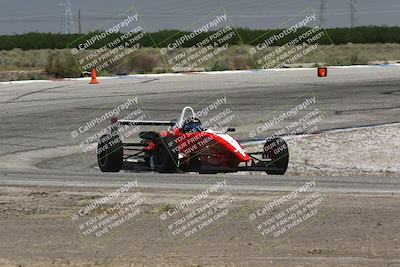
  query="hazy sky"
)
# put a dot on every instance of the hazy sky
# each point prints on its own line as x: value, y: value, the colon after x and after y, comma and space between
x: 18, y: 16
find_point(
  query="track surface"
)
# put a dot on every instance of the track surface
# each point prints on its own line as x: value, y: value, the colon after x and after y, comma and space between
x: 380, y: 185
x: 36, y: 118
x: 44, y: 178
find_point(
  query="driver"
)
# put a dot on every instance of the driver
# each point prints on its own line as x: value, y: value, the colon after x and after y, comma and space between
x: 192, y: 125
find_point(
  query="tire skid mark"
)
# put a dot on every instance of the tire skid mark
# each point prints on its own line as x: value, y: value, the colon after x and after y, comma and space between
x: 324, y: 131
x: 34, y: 92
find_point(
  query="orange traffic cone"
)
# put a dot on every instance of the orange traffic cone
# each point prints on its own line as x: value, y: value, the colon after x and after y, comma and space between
x: 322, y: 71
x: 94, y: 77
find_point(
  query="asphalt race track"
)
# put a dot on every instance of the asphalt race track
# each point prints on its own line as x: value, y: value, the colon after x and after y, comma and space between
x: 36, y: 117
x: 381, y: 185
x: 46, y: 177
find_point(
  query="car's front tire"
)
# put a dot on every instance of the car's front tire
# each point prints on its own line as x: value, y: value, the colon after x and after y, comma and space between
x: 110, y: 153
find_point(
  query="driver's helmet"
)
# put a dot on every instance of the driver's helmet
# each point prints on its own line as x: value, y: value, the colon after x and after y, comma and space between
x: 192, y: 125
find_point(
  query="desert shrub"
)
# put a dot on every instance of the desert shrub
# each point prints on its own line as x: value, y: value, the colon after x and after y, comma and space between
x: 120, y: 68
x: 218, y: 65
x: 145, y: 63
x: 241, y: 62
x: 61, y: 64
x: 355, y: 59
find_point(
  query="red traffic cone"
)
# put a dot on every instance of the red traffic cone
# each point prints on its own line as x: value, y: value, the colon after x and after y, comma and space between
x: 94, y: 77
x: 322, y: 71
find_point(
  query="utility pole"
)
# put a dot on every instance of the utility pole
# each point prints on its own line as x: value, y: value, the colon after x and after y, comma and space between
x: 79, y: 21
x: 353, y: 13
x: 68, y: 19
x: 322, y: 12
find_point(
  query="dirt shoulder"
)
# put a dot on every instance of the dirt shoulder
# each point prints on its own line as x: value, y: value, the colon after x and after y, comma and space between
x: 348, y: 230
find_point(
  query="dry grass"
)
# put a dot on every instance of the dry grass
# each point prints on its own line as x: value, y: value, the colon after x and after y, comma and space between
x: 351, y: 54
x: 58, y: 63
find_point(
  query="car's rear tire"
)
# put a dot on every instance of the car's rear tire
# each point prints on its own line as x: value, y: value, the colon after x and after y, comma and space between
x: 110, y: 153
x: 166, y: 155
x: 277, y: 150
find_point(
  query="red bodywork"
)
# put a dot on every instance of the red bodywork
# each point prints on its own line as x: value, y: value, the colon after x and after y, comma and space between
x: 215, y: 148
x: 188, y: 147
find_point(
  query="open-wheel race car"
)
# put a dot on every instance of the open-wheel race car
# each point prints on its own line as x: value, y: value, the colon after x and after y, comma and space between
x: 186, y: 146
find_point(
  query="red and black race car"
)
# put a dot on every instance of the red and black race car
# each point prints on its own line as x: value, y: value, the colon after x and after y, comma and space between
x: 187, y: 147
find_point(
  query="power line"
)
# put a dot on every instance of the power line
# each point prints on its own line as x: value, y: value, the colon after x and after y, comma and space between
x: 79, y: 21
x: 322, y: 12
x: 68, y: 19
x: 353, y: 13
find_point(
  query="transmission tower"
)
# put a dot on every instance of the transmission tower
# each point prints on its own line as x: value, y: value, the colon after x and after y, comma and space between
x: 322, y: 12
x: 68, y: 19
x: 353, y: 13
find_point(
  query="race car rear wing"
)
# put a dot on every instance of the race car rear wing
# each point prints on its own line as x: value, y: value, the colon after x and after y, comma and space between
x: 149, y: 123
x: 179, y: 123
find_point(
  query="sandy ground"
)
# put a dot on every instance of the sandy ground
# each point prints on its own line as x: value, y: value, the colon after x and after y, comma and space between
x: 371, y: 151
x: 351, y: 152
x: 348, y: 230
